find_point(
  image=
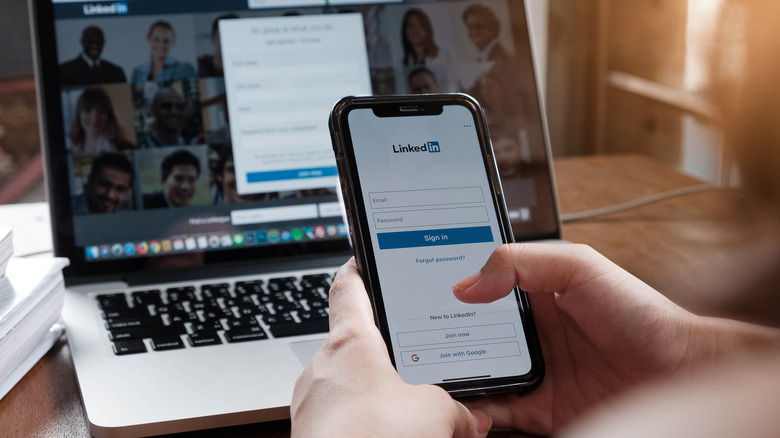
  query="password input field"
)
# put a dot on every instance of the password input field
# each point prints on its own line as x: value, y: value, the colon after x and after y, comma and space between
x: 431, y: 217
x: 426, y: 197
x: 260, y: 4
x: 273, y: 214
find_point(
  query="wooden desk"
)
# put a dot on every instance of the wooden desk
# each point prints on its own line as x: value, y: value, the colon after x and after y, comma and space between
x: 674, y: 245
x: 683, y: 247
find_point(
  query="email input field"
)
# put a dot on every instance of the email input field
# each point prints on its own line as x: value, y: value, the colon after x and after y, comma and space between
x: 433, y: 217
x: 426, y: 197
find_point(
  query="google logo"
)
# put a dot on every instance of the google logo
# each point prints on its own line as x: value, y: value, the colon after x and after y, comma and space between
x: 415, y: 358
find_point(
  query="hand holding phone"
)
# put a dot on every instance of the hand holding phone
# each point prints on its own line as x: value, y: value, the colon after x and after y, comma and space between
x: 425, y: 209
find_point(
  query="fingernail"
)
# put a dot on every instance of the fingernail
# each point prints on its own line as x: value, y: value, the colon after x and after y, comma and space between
x: 466, y: 283
x: 482, y: 422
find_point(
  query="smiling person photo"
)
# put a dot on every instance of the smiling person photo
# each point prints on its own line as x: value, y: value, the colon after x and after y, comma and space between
x: 161, y: 66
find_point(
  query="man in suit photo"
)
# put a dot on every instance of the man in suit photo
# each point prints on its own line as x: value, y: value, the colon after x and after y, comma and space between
x: 89, y: 68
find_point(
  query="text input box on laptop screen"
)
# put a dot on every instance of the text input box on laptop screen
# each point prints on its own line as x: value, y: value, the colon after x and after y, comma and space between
x: 282, y: 76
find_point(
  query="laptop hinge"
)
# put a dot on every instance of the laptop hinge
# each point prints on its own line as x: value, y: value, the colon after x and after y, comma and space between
x: 256, y: 268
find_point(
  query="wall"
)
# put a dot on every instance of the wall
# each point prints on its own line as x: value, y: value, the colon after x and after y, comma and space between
x: 15, y: 35
x: 540, y: 12
x: 570, y: 51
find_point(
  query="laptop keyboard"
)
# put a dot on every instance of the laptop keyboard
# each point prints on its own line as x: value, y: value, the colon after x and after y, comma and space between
x: 210, y: 314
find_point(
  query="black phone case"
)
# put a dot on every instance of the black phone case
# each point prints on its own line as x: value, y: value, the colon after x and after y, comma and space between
x: 412, y: 105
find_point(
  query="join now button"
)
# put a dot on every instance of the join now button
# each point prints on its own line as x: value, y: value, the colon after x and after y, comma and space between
x: 445, y: 236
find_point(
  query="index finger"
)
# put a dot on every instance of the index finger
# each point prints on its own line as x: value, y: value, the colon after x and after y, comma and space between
x: 348, y: 298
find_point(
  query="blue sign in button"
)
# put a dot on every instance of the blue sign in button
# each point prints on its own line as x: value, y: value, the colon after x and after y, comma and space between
x: 445, y: 236
x: 280, y: 175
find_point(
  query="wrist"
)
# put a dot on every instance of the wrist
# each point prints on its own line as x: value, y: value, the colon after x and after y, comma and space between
x: 715, y: 342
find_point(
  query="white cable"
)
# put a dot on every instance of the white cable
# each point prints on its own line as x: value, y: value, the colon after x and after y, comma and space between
x: 587, y: 214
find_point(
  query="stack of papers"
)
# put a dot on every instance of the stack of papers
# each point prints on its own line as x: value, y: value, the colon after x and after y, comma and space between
x: 31, y: 296
x: 32, y: 227
x: 6, y: 247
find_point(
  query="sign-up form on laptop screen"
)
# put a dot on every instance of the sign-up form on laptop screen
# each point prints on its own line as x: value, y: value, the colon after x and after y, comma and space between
x: 282, y: 76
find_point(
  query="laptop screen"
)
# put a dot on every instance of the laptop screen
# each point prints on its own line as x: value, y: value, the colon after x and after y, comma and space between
x: 194, y: 132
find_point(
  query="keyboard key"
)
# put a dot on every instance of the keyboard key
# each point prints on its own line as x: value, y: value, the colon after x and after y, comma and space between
x: 146, y: 332
x: 317, y: 304
x: 317, y: 314
x: 301, y: 328
x: 315, y: 281
x: 252, y: 310
x: 169, y: 342
x: 307, y: 294
x: 124, y: 312
x: 221, y: 290
x: 249, y: 287
x: 245, y: 334
x: 279, y: 297
x: 205, y: 306
x: 146, y: 297
x: 201, y: 339
x: 112, y: 301
x: 208, y: 326
x: 171, y: 308
x: 286, y: 306
x: 132, y: 346
x: 180, y: 317
x: 282, y: 284
x: 279, y: 318
x: 177, y: 294
x: 248, y: 321
x: 126, y: 323
x: 218, y: 313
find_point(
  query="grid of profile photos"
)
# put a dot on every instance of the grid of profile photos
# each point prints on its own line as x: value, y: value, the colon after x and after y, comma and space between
x: 145, y: 110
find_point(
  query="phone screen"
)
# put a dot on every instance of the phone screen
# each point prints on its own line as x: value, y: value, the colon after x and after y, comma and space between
x: 433, y: 221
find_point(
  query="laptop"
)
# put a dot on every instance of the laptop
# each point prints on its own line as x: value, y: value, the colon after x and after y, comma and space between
x: 192, y: 183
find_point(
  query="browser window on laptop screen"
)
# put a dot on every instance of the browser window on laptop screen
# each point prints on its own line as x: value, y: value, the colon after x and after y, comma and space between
x: 196, y: 131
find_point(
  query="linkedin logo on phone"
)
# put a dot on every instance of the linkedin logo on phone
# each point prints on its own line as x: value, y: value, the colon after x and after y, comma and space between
x: 429, y: 146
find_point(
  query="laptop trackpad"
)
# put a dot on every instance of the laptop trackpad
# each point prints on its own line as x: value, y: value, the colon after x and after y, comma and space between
x: 305, y: 350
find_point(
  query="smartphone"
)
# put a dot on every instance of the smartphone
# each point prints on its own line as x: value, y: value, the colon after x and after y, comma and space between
x: 425, y: 209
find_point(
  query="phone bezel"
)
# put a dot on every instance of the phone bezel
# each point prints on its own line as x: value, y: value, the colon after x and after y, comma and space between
x: 392, y: 106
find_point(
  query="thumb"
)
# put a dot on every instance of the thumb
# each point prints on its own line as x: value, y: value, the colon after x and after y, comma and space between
x: 533, y: 267
x: 348, y: 300
x: 470, y: 423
